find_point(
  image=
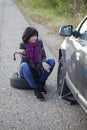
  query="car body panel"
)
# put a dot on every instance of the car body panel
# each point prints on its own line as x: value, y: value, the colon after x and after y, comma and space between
x: 74, y: 58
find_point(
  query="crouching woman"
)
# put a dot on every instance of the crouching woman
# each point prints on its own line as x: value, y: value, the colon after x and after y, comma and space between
x: 34, y: 67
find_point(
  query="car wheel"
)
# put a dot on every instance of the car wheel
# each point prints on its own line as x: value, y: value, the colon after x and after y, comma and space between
x: 62, y: 88
x: 17, y: 82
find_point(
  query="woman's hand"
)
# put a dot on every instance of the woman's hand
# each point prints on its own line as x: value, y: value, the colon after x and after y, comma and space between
x: 46, y: 66
x: 21, y: 51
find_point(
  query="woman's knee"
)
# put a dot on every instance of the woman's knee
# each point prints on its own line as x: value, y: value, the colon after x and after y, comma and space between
x: 51, y: 62
x: 24, y: 65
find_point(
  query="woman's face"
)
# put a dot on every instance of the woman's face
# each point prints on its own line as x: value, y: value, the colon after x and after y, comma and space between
x: 32, y: 39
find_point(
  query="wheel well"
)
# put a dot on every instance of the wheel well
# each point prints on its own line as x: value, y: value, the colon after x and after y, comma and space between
x: 60, y: 54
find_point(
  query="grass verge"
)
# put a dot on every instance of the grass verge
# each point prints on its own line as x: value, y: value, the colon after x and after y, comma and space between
x: 48, y: 16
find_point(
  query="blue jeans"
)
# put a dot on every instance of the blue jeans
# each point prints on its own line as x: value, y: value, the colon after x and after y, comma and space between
x: 26, y: 73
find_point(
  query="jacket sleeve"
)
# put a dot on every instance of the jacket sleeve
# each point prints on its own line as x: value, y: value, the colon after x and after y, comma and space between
x: 23, y: 56
x: 43, y: 53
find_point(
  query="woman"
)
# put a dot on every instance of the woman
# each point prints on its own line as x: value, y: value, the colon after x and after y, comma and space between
x: 35, y: 68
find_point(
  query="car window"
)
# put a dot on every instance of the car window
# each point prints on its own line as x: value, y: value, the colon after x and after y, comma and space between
x: 83, y: 31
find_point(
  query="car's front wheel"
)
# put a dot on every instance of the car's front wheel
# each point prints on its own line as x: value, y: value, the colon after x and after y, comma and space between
x: 62, y: 88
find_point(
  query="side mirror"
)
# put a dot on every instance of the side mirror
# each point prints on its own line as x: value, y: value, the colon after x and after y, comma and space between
x: 66, y: 30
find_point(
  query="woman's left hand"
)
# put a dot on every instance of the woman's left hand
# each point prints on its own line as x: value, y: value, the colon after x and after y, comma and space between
x: 46, y: 66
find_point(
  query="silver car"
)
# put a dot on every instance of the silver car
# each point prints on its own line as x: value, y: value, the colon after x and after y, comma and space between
x: 72, y: 69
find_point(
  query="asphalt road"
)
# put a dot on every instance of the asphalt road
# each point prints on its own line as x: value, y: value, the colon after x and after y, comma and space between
x: 19, y: 109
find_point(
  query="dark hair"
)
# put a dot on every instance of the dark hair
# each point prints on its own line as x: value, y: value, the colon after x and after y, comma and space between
x: 29, y: 32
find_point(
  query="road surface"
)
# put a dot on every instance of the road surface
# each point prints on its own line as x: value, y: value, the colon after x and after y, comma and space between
x: 19, y: 109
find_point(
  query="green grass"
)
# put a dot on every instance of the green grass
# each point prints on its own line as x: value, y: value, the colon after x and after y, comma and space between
x: 51, y: 18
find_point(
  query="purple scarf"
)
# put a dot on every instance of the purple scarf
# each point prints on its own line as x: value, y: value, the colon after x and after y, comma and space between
x: 33, y: 51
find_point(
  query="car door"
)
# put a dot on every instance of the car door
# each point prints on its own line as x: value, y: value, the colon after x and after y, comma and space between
x: 76, y: 59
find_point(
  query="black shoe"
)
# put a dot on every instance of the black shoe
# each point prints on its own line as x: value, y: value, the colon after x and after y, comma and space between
x: 38, y: 94
x: 42, y: 88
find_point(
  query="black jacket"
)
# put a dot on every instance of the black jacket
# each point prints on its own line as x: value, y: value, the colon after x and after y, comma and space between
x: 24, y: 57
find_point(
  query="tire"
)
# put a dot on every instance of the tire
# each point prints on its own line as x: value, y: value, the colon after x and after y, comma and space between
x: 62, y: 88
x: 17, y: 82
